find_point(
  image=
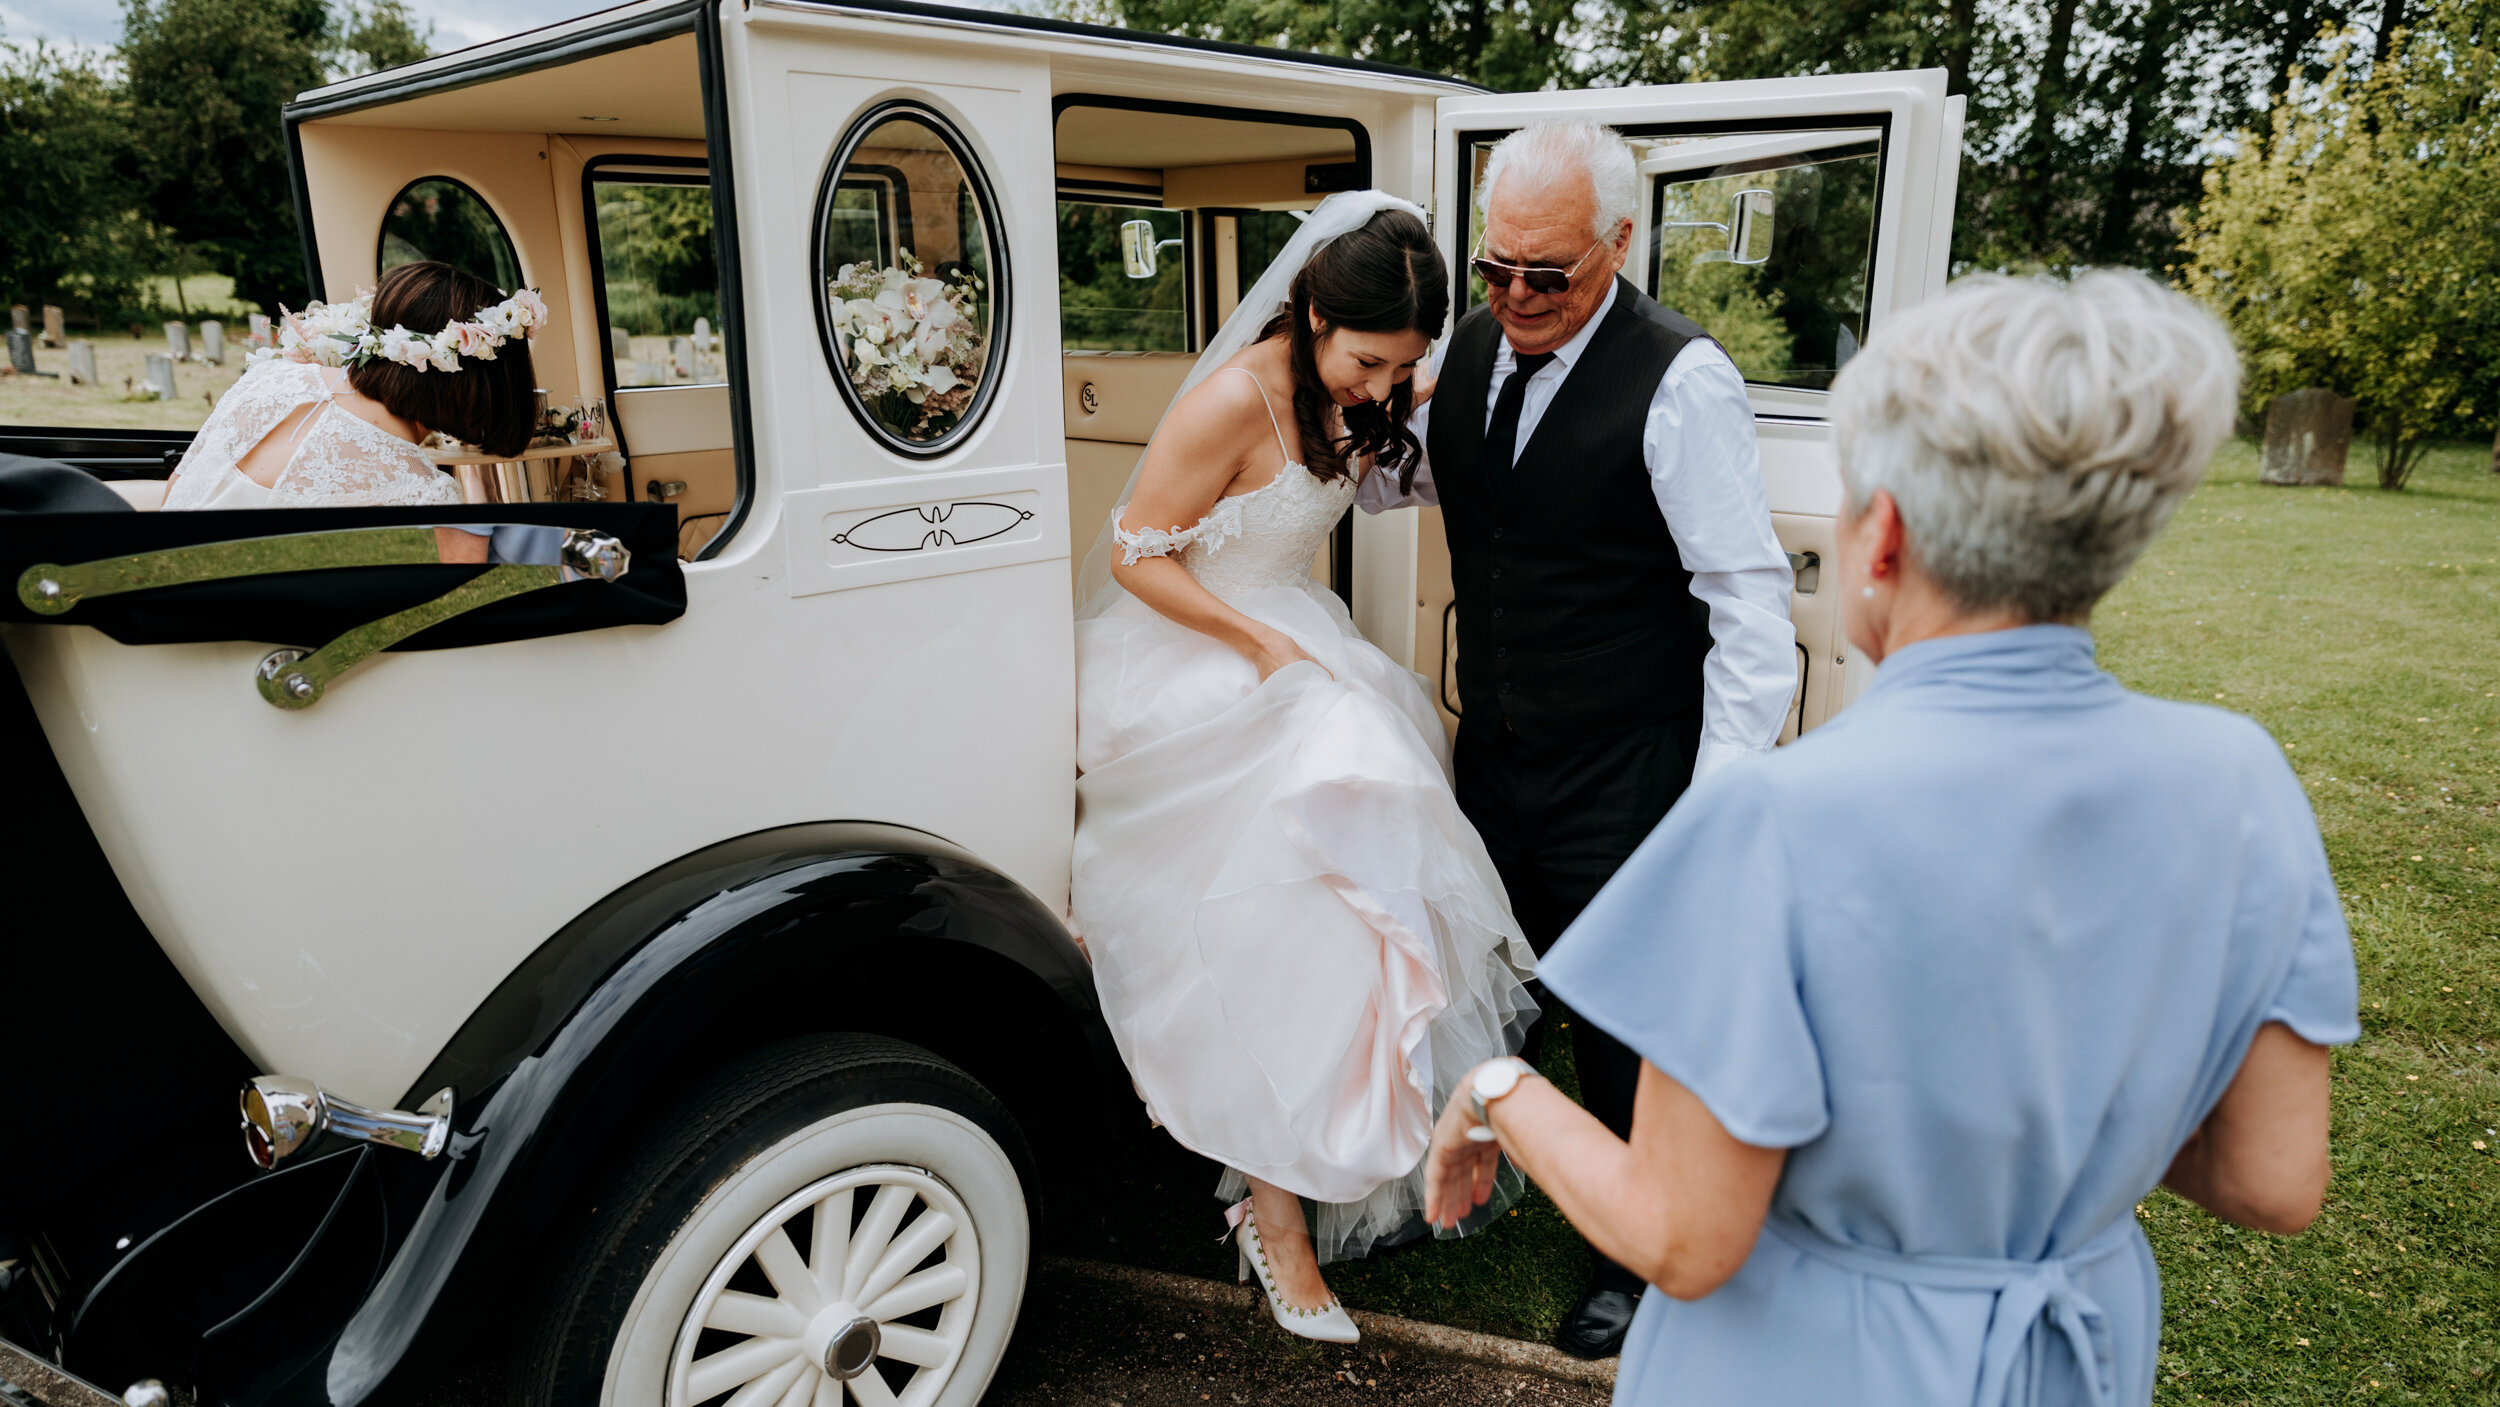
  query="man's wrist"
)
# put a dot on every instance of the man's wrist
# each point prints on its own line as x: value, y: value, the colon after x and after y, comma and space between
x: 1491, y: 1082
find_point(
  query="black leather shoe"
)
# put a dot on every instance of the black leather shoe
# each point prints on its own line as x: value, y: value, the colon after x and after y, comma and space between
x: 1595, y: 1326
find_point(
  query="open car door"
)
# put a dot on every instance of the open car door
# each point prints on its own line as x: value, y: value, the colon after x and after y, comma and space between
x: 1788, y: 217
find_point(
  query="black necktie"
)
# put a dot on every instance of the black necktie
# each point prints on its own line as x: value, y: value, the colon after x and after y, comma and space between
x: 1501, y: 438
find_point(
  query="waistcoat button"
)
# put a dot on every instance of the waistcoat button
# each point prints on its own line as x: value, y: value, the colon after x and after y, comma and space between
x: 1502, y: 653
x: 1497, y: 613
x: 1497, y: 573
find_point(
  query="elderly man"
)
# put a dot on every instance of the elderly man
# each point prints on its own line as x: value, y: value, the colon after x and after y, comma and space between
x: 1622, y: 601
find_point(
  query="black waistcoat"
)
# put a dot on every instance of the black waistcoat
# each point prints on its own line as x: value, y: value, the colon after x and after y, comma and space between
x: 1575, y: 613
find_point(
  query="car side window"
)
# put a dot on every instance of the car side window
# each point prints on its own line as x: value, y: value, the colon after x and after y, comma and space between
x: 1101, y: 307
x: 659, y: 278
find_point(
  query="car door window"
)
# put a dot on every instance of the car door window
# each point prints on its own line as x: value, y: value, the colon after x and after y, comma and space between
x: 1768, y: 241
x: 659, y: 278
x: 1101, y: 308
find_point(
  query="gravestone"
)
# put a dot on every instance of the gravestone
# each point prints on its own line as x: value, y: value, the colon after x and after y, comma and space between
x: 620, y: 343
x: 161, y: 375
x: 213, y: 342
x: 82, y: 363
x: 55, y: 331
x: 21, y: 351
x: 2308, y: 435
x: 20, y: 320
x: 681, y: 356
x: 178, y: 340
x: 261, y: 335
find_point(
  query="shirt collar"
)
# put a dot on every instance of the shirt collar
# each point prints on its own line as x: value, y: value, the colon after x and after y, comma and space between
x: 1506, y: 360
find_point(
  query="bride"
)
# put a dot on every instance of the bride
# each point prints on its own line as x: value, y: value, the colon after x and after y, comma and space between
x: 1299, y: 941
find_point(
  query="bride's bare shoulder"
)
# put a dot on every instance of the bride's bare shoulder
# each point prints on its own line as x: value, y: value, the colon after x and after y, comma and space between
x: 1224, y: 404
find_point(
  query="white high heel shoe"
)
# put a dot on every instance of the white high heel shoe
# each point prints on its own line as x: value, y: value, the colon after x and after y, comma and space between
x: 1328, y: 1324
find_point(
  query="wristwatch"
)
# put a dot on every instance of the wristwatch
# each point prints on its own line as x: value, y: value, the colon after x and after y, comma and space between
x: 1494, y: 1079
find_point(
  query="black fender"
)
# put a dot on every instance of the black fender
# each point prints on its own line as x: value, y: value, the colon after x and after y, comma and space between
x: 711, y: 954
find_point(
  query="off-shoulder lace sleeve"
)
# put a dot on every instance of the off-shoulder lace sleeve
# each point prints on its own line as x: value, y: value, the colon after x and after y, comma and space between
x: 1223, y: 522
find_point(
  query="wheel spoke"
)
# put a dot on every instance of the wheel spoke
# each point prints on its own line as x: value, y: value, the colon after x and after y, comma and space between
x: 908, y: 1250
x: 766, y: 1390
x: 788, y: 1273
x: 935, y: 1285
x: 709, y: 1377
x: 871, y: 1390
x: 885, y: 1212
x: 832, y: 1241
x: 905, y: 1344
x: 828, y: 1391
x: 802, y: 1389
x: 737, y: 1312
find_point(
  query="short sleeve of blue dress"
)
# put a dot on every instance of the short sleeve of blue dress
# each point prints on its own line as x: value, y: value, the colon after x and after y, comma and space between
x: 2320, y: 997
x: 1690, y: 958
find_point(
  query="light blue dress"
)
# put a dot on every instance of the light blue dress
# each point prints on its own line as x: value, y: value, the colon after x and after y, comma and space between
x: 1981, y: 952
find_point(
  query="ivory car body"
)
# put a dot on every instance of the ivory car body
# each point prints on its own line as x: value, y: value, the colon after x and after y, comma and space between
x: 796, y: 858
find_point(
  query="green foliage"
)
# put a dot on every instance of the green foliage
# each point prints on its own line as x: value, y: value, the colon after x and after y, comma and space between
x: 205, y: 80
x: 2358, y: 245
x: 379, y: 36
x: 1512, y: 46
x: 63, y: 160
x: 1100, y: 307
x: 657, y: 258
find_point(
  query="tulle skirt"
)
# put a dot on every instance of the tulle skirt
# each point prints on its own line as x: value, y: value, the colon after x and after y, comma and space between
x: 1299, y: 941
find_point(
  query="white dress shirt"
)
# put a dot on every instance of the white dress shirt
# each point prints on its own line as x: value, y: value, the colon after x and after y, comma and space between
x: 1706, y: 473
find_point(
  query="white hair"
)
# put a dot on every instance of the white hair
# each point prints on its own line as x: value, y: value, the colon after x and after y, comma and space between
x: 1557, y: 147
x: 2036, y: 434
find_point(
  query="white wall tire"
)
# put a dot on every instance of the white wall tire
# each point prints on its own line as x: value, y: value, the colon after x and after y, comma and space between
x: 822, y: 1185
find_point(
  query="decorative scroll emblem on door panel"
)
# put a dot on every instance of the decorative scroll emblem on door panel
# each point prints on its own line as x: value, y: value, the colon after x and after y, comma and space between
x: 933, y: 527
x: 867, y: 534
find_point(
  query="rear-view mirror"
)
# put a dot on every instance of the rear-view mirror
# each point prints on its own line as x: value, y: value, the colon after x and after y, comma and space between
x: 1139, y: 247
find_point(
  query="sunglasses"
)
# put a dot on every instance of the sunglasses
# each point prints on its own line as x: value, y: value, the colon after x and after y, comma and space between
x: 1548, y: 281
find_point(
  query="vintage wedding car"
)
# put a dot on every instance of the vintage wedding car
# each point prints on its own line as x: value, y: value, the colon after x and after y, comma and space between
x: 663, y: 954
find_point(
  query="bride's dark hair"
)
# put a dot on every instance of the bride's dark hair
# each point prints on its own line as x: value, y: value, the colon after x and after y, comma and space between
x: 1384, y: 276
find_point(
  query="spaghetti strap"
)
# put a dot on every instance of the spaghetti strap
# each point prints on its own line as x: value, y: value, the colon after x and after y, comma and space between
x: 1269, y: 407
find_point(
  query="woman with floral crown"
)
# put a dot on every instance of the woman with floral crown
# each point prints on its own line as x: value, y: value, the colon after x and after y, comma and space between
x: 331, y: 417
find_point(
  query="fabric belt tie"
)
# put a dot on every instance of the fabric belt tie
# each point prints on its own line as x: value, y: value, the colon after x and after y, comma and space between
x: 2034, y: 1299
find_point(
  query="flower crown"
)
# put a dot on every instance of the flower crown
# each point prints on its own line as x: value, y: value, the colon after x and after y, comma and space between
x: 342, y: 334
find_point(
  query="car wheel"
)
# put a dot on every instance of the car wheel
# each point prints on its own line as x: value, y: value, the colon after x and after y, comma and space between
x: 838, y: 1218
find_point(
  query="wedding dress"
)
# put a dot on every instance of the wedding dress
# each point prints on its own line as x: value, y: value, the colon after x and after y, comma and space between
x: 339, y: 460
x: 1299, y: 941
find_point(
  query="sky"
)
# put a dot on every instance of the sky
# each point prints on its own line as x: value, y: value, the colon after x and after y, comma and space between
x: 97, y: 24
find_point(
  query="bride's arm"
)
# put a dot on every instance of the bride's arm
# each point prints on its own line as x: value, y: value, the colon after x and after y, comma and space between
x: 1196, y: 455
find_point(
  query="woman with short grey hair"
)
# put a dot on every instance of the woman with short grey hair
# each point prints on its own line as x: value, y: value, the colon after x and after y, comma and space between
x: 1928, y: 1001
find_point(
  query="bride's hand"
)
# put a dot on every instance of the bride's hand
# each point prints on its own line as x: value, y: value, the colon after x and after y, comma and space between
x: 1275, y: 650
x: 1424, y: 381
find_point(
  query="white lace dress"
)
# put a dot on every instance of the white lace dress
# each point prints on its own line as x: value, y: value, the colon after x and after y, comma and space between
x: 339, y: 460
x: 1298, y: 939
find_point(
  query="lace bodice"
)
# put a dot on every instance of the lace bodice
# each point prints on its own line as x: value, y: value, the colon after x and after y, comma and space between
x: 1266, y: 537
x: 339, y: 461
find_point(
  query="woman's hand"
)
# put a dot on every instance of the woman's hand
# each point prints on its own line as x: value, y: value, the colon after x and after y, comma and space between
x: 1458, y: 1170
x: 1423, y: 382
x: 1273, y: 650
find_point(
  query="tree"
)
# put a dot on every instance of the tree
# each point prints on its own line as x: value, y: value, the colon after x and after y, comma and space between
x: 63, y: 148
x: 2357, y: 246
x: 379, y: 36
x: 206, y: 80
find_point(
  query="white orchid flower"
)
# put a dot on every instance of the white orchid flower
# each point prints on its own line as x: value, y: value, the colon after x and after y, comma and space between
x: 940, y: 379
x: 942, y: 314
x: 867, y: 352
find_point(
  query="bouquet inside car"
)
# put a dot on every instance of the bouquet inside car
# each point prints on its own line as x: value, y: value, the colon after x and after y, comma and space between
x: 913, y: 346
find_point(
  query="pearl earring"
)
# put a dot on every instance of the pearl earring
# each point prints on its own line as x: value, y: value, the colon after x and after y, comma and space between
x: 1867, y: 591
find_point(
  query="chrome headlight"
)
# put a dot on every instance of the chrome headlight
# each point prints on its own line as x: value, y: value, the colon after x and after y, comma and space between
x: 281, y: 1115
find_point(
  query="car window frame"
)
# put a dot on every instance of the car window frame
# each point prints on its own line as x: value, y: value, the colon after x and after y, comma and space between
x: 661, y: 171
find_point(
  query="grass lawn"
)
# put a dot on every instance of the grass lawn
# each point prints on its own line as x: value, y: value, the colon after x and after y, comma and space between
x: 116, y: 403
x: 2363, y: 629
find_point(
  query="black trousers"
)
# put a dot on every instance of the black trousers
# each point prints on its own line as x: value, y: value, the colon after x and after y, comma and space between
x: 1559, y: 820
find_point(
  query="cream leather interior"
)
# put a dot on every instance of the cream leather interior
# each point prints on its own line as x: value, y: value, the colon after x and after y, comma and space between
x: 679, y: 435
x: 1112, y: 401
